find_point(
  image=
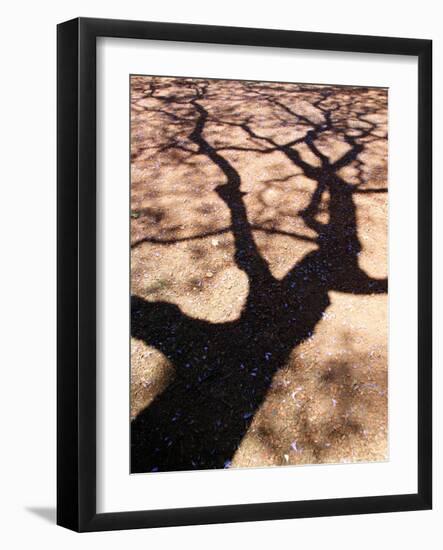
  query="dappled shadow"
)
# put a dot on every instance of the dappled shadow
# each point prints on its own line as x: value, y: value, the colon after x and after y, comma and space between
x: 223, y: 370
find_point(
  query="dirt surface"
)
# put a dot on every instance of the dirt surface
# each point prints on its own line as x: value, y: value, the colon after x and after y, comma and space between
x: 259, y: 263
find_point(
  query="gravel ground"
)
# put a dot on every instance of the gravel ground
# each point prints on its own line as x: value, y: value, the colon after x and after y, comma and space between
x: 226, y: 221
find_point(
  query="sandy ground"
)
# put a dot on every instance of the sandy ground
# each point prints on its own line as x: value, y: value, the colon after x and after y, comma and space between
x: 326, y: 402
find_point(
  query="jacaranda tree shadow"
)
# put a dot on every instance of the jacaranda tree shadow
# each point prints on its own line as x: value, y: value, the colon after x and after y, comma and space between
x: 223, y: 370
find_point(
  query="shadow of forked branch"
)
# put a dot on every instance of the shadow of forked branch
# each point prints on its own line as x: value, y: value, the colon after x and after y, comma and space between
x: 223, y: 370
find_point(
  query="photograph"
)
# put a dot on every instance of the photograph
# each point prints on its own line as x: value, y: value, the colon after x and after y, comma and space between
x: 259, y: 259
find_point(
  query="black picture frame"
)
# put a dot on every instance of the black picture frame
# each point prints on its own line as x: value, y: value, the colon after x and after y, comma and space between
x: 76, y: 265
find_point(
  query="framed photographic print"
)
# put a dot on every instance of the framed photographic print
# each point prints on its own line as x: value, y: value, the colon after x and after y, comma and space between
x: 244, y: 274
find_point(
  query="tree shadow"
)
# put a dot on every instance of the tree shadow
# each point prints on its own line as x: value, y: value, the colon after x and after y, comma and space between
x: 223, y: 370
